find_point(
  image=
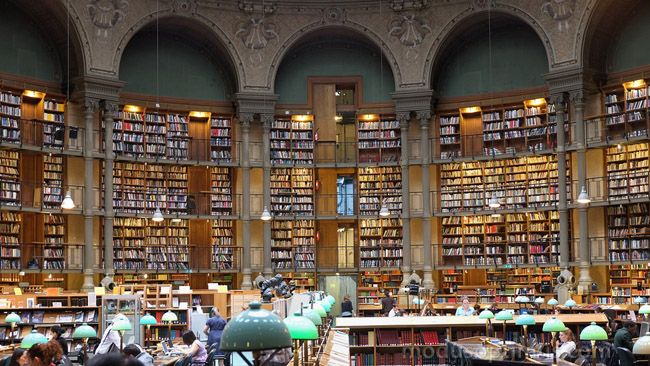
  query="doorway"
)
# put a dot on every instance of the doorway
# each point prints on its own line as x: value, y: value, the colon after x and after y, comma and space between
x: 345, y: 195
x: 346, y: 242
x: 338, y: 285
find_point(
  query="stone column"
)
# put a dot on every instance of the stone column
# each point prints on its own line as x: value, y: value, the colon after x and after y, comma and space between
x: 584, y: 283
x: 88, y: 201
x: 406, y: 207
x: 108, y: 109
x: 245, y: 121
x: 424, y: 118
x: 266, y: 120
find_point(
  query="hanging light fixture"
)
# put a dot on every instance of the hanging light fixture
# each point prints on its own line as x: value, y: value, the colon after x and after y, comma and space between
x: 584, y: 197
x: 494, y: 201
x: 384, y: 210
x: 266, y: 216
x: 67, y: 203
x: 157, y: 216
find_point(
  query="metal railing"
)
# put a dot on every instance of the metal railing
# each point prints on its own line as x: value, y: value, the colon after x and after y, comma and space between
x: 179, y: 258
x: 38, y: 195
x: 47, y: 257
x: 46, y: 135
x: 608, y: 129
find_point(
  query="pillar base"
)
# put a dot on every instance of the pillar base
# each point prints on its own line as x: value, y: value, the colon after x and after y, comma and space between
x: 427, y: 282
x: 89, y: 282
x: 584, y: 283
x: 246, y: 283
x: 562, y: 294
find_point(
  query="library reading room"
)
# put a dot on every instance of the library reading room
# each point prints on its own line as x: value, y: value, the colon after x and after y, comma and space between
x: 362, y: 182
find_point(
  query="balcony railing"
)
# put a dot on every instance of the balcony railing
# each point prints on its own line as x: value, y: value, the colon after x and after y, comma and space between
x: 172, y: 202
x: 42, y: 135
x: 38, y: 195
x: 47, y: 257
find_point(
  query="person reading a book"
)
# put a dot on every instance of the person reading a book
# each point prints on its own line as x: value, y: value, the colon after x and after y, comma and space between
x: 213, y: 329
x: 568, y: 343
x: 19, y: 357
x: 111, y: 338
x: 197, y: 350
x: 44, y: 354
x: 57, y: 336
x: 623, y: 337
x: 136, y: 352
x: 465, y: 309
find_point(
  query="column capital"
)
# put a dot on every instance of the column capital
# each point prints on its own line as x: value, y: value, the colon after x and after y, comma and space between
x: 90, y: 104
x: 424, y: 117
x: 109, y: 107
x: 403, y: 118
x: 266, y: 120
x: 245, y: 120
x: 559, y: 99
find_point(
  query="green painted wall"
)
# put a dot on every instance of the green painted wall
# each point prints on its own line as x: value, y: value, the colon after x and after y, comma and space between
x: 333, y: 60
x: 184, y: 71
x: 632, y: 49
x: 518, y: 62
x: 25, y: 50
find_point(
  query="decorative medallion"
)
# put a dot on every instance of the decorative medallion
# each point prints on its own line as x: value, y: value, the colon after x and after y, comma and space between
x: 480, y: 3
x: 560, y: 11
x: 105, y: 14
x: 184, y: 6
x: 333, y: 15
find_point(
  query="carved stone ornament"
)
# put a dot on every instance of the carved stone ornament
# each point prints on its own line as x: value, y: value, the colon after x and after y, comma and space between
x: 333, y: 16
x: 184, y: 6
x: 480, y: 3
x: 410, y: 30
x: 560, y: 11
x: 105, y: 14
x: 256, y: 33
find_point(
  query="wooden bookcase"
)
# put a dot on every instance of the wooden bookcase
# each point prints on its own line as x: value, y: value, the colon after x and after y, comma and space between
x: 129, y: 187
x: 54, y: 238
x: 292, y: 191
x: 377, y: 185
x: 281, y: 245
x: 177, y: 185
x: 292, y: 140
x: 10, y: 239
x: 223, y: 247
x: 52, y: 181
x: 625, y: 108
x: 155, y: 132
x: 627, y: 171
x: 156, y: 193
x: 380, y: 243
x: 54, y: 120
x: 452, y: 278
x: 379, y: 138
x: 372, y: 285
x: 624, y: 279
x: 293, y: 244
x: 160, y: 332
x: 177, y: 136
x: 450, y: 140
x: 129, y: 243
x: 221, y: 184
x: 628, y: 231
x: 221, y: 139
x: 10, y: 175
x: 10, y: 113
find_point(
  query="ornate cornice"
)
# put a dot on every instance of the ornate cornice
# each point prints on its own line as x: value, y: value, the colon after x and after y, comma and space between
x: 417, y: 101
x: 572, y: 79
x: 256, y: 103
x: 97, y: 88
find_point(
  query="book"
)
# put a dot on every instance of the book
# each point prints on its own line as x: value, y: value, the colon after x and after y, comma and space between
x: 79, y: 317
x: 26, y: 317
x: 91, y: 316
x: 38, y: 317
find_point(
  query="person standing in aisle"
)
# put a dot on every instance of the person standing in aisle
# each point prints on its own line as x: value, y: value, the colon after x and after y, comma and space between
x: 465, y: 309
x: 386, y: 303
x: 111, y: 339
x: 346, y: 307
x: 213, y: 329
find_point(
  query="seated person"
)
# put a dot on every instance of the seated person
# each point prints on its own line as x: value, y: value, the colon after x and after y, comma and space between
x: 395, y: 311
x: 465, y: 309
x: 197, y: 350
x: 135, y: 351
x: 567, y: 343
x: 623, y: 337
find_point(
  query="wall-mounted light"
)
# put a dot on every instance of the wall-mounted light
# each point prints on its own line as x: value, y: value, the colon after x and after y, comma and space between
x: 67, y: 203
x: 157, y: 216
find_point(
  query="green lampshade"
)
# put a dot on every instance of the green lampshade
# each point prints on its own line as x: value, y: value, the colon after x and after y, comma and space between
x: 122, y: 325
x: 169, y: 317
x: 524, y: 300
x: 12, y: 318
x: 570, y: 303
x: 539, y: 300
x: 644, y: 309
x: 642, y: 345
x: 518, y: 299
x: 503, y: 315
x: 326, y: 305
x: 639, y: 300
x: 31, y: 339
x: 255, y: 329
x: 553, y: 325
x: 148, y: 320
x: 84, y: 331
x: 311, y: 315
x: 331, y: 299
x: 593, y: 332
x: 552, y: 302
x: 525, y: 319
x: 319, y: 310
x: 301, y: 327
x: 486, y: 314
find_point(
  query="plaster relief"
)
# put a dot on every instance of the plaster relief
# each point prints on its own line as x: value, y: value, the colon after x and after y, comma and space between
x: 410, y: 30
x: 256, y: 34
x: 105, y: 14
x: 560, y: 11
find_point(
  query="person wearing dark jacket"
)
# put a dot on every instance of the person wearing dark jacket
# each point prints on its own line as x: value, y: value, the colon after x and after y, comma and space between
x: 623, y: 338
x: 57, y: 335
x: 386, y: 304
x: 346, y: 307
x: 136, y: 351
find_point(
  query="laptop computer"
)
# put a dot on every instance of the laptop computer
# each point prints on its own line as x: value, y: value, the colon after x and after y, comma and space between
x: 170, y: 352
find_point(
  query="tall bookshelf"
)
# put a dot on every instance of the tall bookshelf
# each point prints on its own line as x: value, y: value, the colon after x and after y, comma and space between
x: 54, y: 121
x: 156, y: 245
x: 514, y: 238
x: 629, y: 276
x: 54, y: 238
x: 292, y: 191
x: 177, y: 186
x: 281, y: 142
x: 281, y: 191
x: 52, y: 181
x: 627, y: 171
x: 452, y: 278
x: 292, y: 140
x: 177, y: 136
x: 628, y: 231
x: 155, y: 131
x: 156, y: 193
x: 625, y: 108
x: 380, y: 243
x: 377, y: 185
x: 10, y: 230
x: 304, y: 244
x: 221, y: 186
x: 129, y: 243
x: 379, y: 138
x: 223, y: 250
x: 129, y: 187
x: 178, y: 235
x: 517, y: 183
x: 10, y: 113
x: 281, y: 244
x: 9, y: 178
x: 450, y: 140
x: 221, y: 139
x: 132, y: 128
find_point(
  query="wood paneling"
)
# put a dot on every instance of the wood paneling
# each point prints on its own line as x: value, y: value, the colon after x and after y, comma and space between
x: 327, y: 247
x: 31, y: 172
x: 200, y: 237
x: 199, y: 185
x: 325, y: 111
x: 471, y: 128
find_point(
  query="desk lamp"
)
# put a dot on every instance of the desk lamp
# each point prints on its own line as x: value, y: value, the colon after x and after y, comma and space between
x: 505, y: 316
x: 525, y: 320
x: 594, y: 333
x: 552, y: 302
x: 122, y: 325
x: 169, y: 317
x: 12, y: 318
x: 642, y: 345
x: 84, y: 332
x: 487, y: 315
x: 553, y: 326
x: 31, y: 339
x: 570, y: 303
x: 331, y: 299
x: 524, y: 300
x: 645, y: 310
x: 314, y: 317
x: 255, y: 330
x: 639, y: 300
x: 148, y: 321
x: 325, y: 304
x: 540, y: 302
x: 301, y: 329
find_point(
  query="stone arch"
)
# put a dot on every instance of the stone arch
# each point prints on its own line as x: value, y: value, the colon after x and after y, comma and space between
x: 470, y: 17
x: 359, y: 31
x: 217, y: 43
